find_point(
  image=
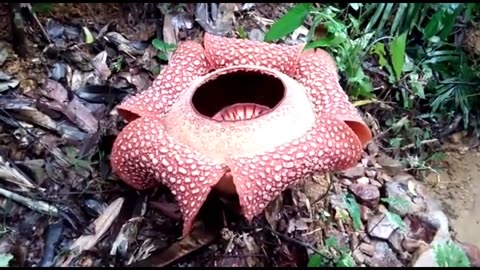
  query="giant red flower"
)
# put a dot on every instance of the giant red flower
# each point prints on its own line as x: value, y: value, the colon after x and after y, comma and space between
x: 241, y: 116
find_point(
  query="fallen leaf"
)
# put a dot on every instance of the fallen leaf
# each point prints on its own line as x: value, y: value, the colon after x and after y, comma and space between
x: 102, y: 224
x: 7, y: 82
x: 74, y: 110
x: 412, y: 188
x: 88, y: 36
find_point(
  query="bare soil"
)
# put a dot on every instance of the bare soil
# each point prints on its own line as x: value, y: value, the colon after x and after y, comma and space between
x: 457, y: 186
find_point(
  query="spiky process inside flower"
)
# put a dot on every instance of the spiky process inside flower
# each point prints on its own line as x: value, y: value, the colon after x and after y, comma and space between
x: 240, y: 116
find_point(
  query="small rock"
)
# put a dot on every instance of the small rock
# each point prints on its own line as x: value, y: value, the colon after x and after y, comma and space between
x: 429, y: 227
x: 373, y: 149
x: 411, y: 245
x: 363, y: 236
x: 383, y: 177
x: 363, y: 180
x: 403, y: 178
x: 256, y: 34
x: 354, y: 172
x: 380, y: 226
x: 397, y: 189
x: 346, y: 182
x: 382, y: 209
x: 383, y: 256
x: 371, y: 174
x: 365, y: 213
x: 376, y: 183
x: 396, y: 240
x: 405, y: 257
x: 337, y: 200
x: 391, y: 166
x: 367, y: 194
x: 358, y: 256
x: 367, y: 249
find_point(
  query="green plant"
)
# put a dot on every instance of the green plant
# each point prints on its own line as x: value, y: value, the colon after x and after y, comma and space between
x: 77, y: 163
x: 332, y: 254
x: 41, y: 7
x: 163, y: 48
x: 450, y: 255
x: 5, y: 259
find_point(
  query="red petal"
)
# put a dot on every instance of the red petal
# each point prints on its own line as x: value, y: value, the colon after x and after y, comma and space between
x: 144, y: 155
x: 317, y: 71
x: 187, y: 63
x: 329, y: 145
x: 225, y: 52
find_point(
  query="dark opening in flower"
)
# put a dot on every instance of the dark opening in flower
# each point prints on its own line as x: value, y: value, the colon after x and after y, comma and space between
x: 238, y: 94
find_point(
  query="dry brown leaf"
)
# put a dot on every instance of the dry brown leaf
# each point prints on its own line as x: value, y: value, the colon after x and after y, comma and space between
x: 196, y: 239
x: 102, y: 224
x: 74, y: 110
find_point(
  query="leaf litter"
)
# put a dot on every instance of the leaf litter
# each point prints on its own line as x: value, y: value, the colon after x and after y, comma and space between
x: 57, y: 127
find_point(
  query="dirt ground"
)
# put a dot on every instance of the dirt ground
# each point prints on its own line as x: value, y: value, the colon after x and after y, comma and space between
x: 458, y: 189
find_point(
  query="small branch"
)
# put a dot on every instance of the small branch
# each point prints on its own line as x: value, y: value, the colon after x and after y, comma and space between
x: 39, y: 206
x: 412, y: 145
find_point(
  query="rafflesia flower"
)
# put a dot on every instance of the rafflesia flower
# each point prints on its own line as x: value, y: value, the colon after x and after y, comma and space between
x: 239, y: 116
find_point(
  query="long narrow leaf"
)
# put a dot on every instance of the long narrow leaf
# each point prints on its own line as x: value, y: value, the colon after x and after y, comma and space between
x: 397, y: 53
x: 288, y: 22
x: 434, y: 25
x: 449, y: 23
x: 386, y: 14
x: 375, y: 17
x: 399, y: 17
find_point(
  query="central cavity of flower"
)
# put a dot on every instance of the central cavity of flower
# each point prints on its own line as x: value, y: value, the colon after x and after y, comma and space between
x: 238, y: 95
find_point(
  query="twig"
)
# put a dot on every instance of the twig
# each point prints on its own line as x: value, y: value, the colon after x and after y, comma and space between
x: 39, y: 206
x: 44, y: 33
x: 412, y: 145
x: 10, y: 173
x: 298, y: 242
x: 398, y: 124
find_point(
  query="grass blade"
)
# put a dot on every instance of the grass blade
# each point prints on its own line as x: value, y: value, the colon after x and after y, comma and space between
x: 397, y: 53
x: 375, y: 17
x: 288, y: 22
x: 386, y: 13
x: 399, y: 18
x: 434, y: 25
x: 449, y: 23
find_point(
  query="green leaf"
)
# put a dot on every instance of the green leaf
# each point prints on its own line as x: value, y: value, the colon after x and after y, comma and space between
x: 345, y: 260
x: 379, y: 50
x: 324, y: 42
x: 88, y: 36
x: 434, y: 25
x: 241, y: 32
x: 5, y: 259
x: 41, y: 7
x: 355, y: 6
x: 397, y: 201
x: 162, y: 56
x: 288, y: 22
x: 354, y: 210
x: 331, y: 242
x: 397, y: 53
x: 396, y: 142
x: 162, y: 46
x: 316, y: 260
x: 450, y: 255
x: 396, y: 220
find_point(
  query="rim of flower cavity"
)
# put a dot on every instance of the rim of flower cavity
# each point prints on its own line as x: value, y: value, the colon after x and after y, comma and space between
x: 239, y: 94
